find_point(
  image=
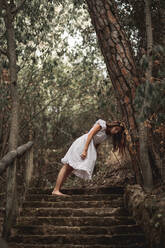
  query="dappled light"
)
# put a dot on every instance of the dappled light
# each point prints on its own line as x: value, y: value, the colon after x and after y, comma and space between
x: 82, y: 83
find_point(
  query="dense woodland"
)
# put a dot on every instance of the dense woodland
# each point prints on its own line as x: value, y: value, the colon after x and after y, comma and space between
x: 66, y: 63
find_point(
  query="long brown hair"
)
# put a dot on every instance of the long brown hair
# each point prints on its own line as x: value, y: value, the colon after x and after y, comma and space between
x: 118, y: 139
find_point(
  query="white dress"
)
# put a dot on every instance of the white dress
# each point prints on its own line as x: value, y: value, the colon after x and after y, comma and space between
x: 84, y: 168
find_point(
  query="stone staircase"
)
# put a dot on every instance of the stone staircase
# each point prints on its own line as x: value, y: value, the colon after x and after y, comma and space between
x: 92, y: 218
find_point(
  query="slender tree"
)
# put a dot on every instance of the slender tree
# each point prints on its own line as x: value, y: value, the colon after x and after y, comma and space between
x: 11, y: 199
x: 10, y: 12
x: 143, y: 129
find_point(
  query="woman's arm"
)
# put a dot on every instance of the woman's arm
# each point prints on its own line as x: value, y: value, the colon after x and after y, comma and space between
x: 96, y: 128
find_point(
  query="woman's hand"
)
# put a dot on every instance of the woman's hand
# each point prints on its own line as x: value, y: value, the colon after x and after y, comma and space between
x: 83, y: 155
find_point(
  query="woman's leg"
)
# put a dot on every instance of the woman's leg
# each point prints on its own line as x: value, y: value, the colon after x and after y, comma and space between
x: 62, y: 176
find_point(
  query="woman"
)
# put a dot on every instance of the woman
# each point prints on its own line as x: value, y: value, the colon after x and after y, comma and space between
x: 81, y: 156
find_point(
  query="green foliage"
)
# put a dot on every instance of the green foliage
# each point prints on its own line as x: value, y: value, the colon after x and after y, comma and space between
x: 132, y: 17
x: 62, y: 80
x: 155, y: 100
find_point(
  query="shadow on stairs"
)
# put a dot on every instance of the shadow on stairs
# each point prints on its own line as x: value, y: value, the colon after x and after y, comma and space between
x: 93, y: 218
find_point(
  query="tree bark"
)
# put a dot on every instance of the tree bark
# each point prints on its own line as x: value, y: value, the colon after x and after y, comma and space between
x: 120, y: 65
x: 11, y: 198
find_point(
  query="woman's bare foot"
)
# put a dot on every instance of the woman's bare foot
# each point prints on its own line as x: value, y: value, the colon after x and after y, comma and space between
x: 58, y: 193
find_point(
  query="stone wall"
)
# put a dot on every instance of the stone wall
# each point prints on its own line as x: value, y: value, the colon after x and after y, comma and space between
x: 148, y: 210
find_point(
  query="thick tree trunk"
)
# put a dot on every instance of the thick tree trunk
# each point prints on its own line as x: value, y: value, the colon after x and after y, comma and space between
x: 120, y: 64
x: 11, y: 199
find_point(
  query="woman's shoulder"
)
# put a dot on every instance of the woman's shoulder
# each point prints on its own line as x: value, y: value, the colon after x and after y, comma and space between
x: 101, y: 122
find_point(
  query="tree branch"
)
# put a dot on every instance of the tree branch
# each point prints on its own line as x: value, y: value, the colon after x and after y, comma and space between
x: 4, y: 3
x: 3, y: 6
x: 18, y: 8
x: 1, y: 37
x: 36, y: 114
x: 4, y: 52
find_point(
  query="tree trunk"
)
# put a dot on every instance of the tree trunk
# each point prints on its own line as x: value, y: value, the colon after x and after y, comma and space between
x: 120, y: 65
x: 11, y: 199
x: 143, y: 130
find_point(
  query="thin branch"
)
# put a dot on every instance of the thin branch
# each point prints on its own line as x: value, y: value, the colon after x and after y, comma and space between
x: 62, y: 131
x: 6, y: 7
x: 4, y: 52
x: 117, y: 158
x: 2, y: 179
x: 1, y: 37
x: 18, y: 8
x: 4, y: 3
x: 36, y: 114
x: 27, y: 86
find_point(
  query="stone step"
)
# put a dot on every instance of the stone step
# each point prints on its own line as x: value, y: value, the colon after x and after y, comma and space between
x: 94, y: 230
x: 98, y: 197
x: 78, y: 191
x: 45, y: 212
x: 127, y: 239
x: 73, y: 204
x: 87, y: 218
x: 133, y: 245
x: 77, y: 221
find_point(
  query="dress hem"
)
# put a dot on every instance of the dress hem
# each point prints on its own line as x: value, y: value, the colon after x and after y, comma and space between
x: 84, y: 174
